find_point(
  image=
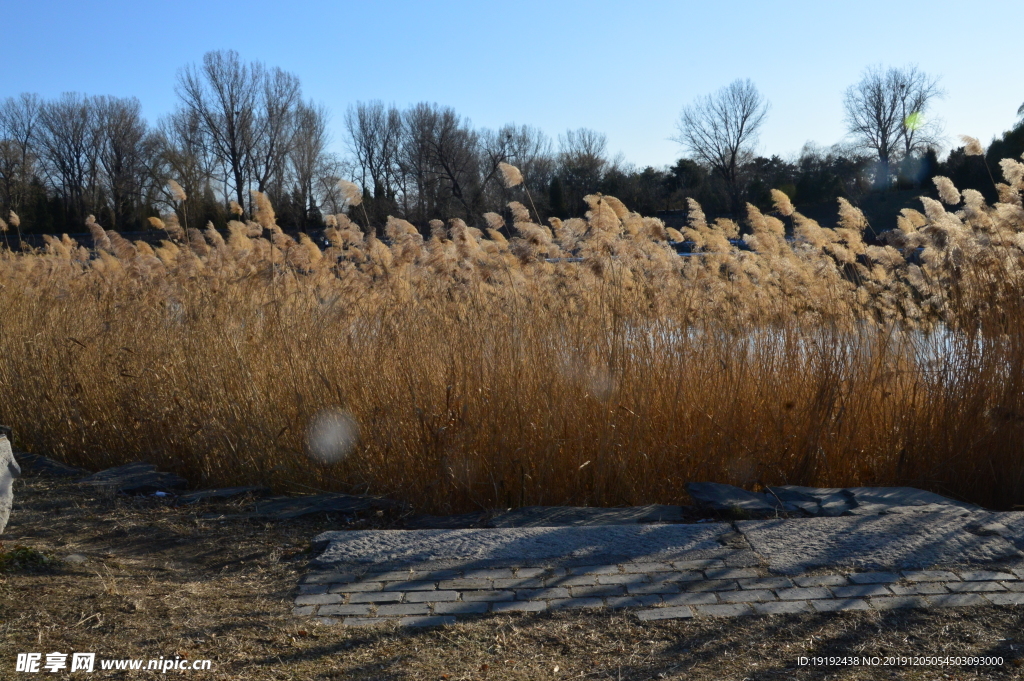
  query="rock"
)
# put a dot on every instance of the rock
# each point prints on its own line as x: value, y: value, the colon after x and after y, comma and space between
x: 222, y: 493
x: 559, y: 516
x: 135, y: 478
x: 860, y: 501
x: 719, y: 497
x: 37, y: 464
x: 9, y: 470
x: 75, y: 558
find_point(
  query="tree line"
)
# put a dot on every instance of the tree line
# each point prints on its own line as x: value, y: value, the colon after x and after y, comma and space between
x: 242, y: 126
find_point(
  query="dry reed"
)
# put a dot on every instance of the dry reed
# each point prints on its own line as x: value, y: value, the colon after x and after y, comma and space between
x: 483, y: 372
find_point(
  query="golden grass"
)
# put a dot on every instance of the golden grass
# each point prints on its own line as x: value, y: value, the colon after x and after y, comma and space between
x: 481, y: 374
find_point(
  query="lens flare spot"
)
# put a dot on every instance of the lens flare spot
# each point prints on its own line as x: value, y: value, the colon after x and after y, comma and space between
x: 331, y: 436
x: 914, y: 121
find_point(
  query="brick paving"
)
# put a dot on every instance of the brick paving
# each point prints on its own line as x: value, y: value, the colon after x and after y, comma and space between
x: 653, y: 590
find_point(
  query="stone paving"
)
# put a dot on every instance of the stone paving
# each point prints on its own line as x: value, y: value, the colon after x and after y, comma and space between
x: 656, y: 590
x: 669, y: 570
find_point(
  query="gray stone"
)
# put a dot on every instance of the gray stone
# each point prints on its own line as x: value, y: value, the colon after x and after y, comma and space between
x: 920, y: 589
x: 646, y: 567
x: 356, y: 609
x: 376, y: 597
x: 963, y: 587
x: 840, y: 604
x: 857, y: 501
x: 403, y: 609
x: 654, y: 588
x: 541, y: 594
x: 690, y: 599
x: 355, y: 586
x: 725, y: 610
x: 803, y: 594
x: 570, y: 603
x: 460, y: 608
x: 730, y: 573
x: 39, y: 465
x: 860, y: 590
x: 765, y: 583
x: 985, y: 576
x: 465, y: 584
x: 746, y: 596
x: 9, y: 470
x: 710, y: 585
x: 594, y: 570
x: 610, y: 590
x: 488, y: 595
x: 516, y: 583
x: 782, y: 607
x: 930, y: 576
x: 616, y: 602
x: 678, y: 612
x: 75, y: 558
x: 820, y: 580
x: 719, y: 497
x: 956, y: 600
x: 318, y: 599
x: 558, y: 516
x: 1006, y: 598
x: 409, y: 586
x: 431, y: 596
x: 303, y: 610
x: 135, y: 478
x: 874, y: 577
x: 638, y: 578
x: 489, y: 573
x: 886, y: 542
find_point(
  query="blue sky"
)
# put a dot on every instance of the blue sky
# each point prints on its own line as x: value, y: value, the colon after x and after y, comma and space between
x: 623, y: 69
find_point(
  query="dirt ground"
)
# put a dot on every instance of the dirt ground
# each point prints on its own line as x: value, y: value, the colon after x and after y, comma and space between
x: 160, y: 581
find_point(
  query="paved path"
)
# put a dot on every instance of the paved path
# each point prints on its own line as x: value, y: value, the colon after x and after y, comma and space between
x: 428, y: 577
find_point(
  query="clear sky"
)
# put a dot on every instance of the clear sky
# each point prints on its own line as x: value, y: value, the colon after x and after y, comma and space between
x: 624, y: 69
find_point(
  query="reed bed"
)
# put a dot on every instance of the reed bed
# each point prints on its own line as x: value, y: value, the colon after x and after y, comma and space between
x: 482, y: 367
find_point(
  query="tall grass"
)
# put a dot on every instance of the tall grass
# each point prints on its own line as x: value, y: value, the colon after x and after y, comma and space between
x: 481, y: 373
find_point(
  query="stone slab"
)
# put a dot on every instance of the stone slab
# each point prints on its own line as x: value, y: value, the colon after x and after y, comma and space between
x: 561, y: 516
x: 478, y: 548
x: 720, y: 497
x: 37, y: 464
x: 136, y: 478
x: 885, y: 543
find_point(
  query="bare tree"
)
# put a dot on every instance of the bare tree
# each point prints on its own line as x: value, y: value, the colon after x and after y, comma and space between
x: 885, y: 113
x: 374, y: 133
x: 19, y: 122
x: 69, y: 148
x: 121, y: 136
x: 223, y: 96
x: 309, y: 154
x: 273, y: 127
x: 720, y: 130
x: 582, y: 164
